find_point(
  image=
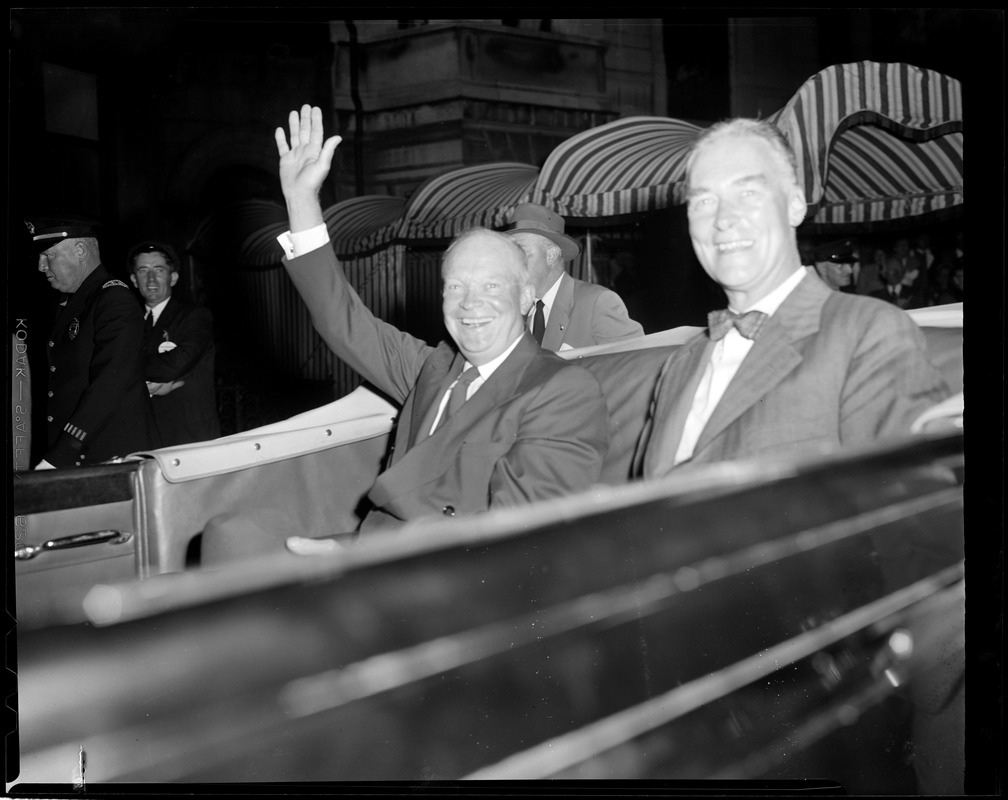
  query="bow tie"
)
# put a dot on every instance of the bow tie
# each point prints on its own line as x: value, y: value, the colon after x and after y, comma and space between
x: 723, y: 320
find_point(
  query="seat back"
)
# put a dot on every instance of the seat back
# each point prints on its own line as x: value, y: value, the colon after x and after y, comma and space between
x: 628, y: 382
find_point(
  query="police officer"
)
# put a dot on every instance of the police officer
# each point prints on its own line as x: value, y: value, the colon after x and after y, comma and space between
x: 98, y: 406
x: 837, y: 264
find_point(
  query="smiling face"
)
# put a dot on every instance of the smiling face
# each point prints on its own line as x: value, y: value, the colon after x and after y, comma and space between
x: 486, y: 295
x: 743, y: 208
x: 153, y: 277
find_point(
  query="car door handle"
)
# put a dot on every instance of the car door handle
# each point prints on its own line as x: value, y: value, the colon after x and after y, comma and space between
x: 76, y: 540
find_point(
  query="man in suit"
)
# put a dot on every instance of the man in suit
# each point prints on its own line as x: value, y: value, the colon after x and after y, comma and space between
x: 568, y: 313
x: 178, y: 348
x: 896, y: 289
x: 827, y: 369
x: 809, y: 370
x: 531, y: 425
x: 97, y: 406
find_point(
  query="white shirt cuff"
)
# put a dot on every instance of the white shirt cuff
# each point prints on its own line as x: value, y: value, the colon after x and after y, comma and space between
x: 297, y: 244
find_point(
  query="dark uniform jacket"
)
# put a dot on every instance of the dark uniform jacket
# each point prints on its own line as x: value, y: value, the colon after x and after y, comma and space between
x: 98, y: 406
x: 189, y: 413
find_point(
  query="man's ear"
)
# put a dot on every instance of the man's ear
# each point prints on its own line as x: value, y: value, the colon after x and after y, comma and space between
x: 797, y: 207
x: 81, y: 249
x: 553, y: 253
x: 527, y: 299
x: 174, y: 279
x: 133, y: 280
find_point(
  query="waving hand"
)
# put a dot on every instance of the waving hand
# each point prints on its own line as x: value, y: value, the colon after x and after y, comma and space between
x: 304, y: 165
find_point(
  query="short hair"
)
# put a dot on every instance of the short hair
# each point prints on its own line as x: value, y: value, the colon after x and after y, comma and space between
x: 744, y: 126
x: 519, y: 258
x: 166, y: 251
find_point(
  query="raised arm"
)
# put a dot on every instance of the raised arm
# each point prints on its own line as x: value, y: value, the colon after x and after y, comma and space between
x: 384, y: 355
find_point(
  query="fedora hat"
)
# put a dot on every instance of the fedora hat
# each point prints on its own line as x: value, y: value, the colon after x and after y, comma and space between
x: 533, y: 218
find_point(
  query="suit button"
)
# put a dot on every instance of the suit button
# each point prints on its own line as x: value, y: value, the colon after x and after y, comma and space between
x: 52, y: 369
x: 50, y: 393
x: 52, y: 344
x: 448, y: 511
x: 49, y: 418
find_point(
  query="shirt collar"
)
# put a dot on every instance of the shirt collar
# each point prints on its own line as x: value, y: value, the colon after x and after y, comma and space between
x: 486, y: 370
x: 156, y: 310
x: 771, y: 302
x: 549, y: 297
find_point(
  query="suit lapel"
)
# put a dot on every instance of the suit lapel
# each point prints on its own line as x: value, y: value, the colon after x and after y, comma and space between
x: 430, y: 456
x: 679, y: 384
x: 168, y: 313
x: 772, y: 357
x: 560, y: 313
x: 431, y: 387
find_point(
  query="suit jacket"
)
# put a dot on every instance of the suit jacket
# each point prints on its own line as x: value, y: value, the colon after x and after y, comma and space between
x: 189, y: 413
x: 535, y: 429
x: 584, y: 314
x: 98, y: 406
x: 829, y: 369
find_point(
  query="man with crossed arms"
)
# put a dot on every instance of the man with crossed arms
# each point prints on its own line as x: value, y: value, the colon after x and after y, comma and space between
x: 532, y: 425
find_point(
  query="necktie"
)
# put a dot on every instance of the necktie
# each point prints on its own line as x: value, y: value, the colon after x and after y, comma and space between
x: 538, y: 322
x: 458, y: 394
x: 748, y: 324
x: 149, y: 321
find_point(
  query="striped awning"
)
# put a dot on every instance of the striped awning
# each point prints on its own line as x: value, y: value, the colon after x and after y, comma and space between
x: 363, y: 224
x: 228, y: 231
x: 876, y: 141
x: 261, y: 249
x: 623, y: 167
x: 356, y: 227
x: 481, y: 195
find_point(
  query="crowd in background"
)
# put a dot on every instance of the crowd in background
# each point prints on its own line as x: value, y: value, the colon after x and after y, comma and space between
x: 912, y: 271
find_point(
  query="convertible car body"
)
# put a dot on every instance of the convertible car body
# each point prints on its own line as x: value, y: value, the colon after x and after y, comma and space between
x: 749, y: 620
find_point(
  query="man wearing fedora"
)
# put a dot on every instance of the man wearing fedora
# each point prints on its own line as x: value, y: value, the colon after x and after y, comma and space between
x: 97, y: 406
x: 568, y: 313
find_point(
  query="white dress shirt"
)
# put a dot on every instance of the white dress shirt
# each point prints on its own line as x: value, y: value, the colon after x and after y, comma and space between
x: 547, y: 299
x: 156, y: 310
x: 297, y: 244
x: 725, y: 360
x: 485, y: 371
